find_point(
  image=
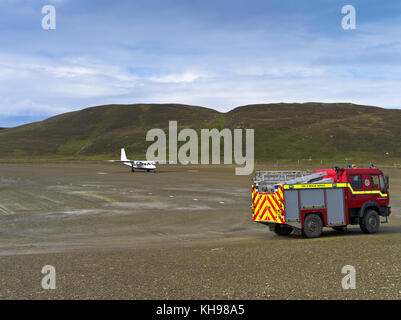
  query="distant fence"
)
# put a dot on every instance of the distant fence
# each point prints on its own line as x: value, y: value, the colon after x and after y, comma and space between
x: 286, y: 163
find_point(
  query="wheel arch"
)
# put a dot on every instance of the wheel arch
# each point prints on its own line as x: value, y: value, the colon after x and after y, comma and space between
x: 318, y: 213
x: 313, y: 232
x: 369, y: 205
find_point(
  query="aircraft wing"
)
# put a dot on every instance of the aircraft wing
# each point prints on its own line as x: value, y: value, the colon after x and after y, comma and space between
x: 144, y: 161
x: 164, y: 162
x: 122, y: 161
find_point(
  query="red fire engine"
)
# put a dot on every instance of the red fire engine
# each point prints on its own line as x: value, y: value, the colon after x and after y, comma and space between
x: 288, y: 200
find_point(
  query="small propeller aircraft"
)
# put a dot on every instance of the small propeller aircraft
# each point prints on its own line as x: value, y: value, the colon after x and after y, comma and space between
x: 138, y: 164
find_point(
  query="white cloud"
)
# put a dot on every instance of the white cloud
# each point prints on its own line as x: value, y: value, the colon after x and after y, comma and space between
x: 184, y: 77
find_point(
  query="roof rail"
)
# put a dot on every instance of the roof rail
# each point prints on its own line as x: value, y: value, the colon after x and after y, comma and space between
x: 275, y: 177
x: 267, y: 180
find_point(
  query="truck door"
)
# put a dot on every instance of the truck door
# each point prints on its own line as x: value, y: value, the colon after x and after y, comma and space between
x: 377, y: 184
x: 359, y: 183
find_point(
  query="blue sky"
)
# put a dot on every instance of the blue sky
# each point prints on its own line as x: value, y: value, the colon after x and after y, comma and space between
x: 215, y: 53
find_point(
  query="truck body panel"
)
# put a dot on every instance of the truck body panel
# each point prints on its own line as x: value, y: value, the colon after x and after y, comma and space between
x: 268, y: 207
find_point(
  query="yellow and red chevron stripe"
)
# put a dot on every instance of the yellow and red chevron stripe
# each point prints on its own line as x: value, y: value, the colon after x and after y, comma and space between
x: 268, y: 207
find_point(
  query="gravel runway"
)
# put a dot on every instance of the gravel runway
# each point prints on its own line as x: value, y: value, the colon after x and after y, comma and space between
x: 179, y: 233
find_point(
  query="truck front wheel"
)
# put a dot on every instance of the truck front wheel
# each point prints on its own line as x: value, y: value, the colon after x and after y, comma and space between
x: 282, y: 230
x: 313, y: 226
x: 370, y: 222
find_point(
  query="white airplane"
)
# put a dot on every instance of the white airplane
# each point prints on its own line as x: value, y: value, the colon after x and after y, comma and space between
x: 137, y: 164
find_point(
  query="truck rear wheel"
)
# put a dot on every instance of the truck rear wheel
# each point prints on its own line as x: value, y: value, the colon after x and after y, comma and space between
x: 282, y: 229
x: 313, y: 226
x: 370, y: 223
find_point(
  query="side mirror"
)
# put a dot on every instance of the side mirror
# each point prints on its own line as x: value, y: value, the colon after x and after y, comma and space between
x: 387, y: 182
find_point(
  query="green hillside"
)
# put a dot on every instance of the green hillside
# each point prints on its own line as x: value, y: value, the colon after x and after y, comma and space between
x: 282, y: 131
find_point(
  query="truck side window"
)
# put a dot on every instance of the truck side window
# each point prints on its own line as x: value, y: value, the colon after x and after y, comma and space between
x: 382, y: 184
x: 356, y: 182
x: 375, y: 182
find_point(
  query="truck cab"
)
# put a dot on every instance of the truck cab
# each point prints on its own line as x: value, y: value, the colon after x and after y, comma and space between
x: 367, y: 189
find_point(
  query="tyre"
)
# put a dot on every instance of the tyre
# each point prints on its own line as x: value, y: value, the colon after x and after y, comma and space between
x: 282, y: 230
x: 370, y: 223
x: 313, y: 226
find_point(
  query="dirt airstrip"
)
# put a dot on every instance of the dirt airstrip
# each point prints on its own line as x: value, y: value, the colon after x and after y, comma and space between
x: 179, y: 233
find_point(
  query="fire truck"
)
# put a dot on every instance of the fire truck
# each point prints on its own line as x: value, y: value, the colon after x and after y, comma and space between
x: 334, y: 198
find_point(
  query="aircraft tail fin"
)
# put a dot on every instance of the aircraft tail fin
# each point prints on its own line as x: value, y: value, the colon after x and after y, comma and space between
x: 123, y: 155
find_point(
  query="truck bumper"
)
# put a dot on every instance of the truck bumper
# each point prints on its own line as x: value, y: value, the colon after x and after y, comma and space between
x: 385, y: 211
